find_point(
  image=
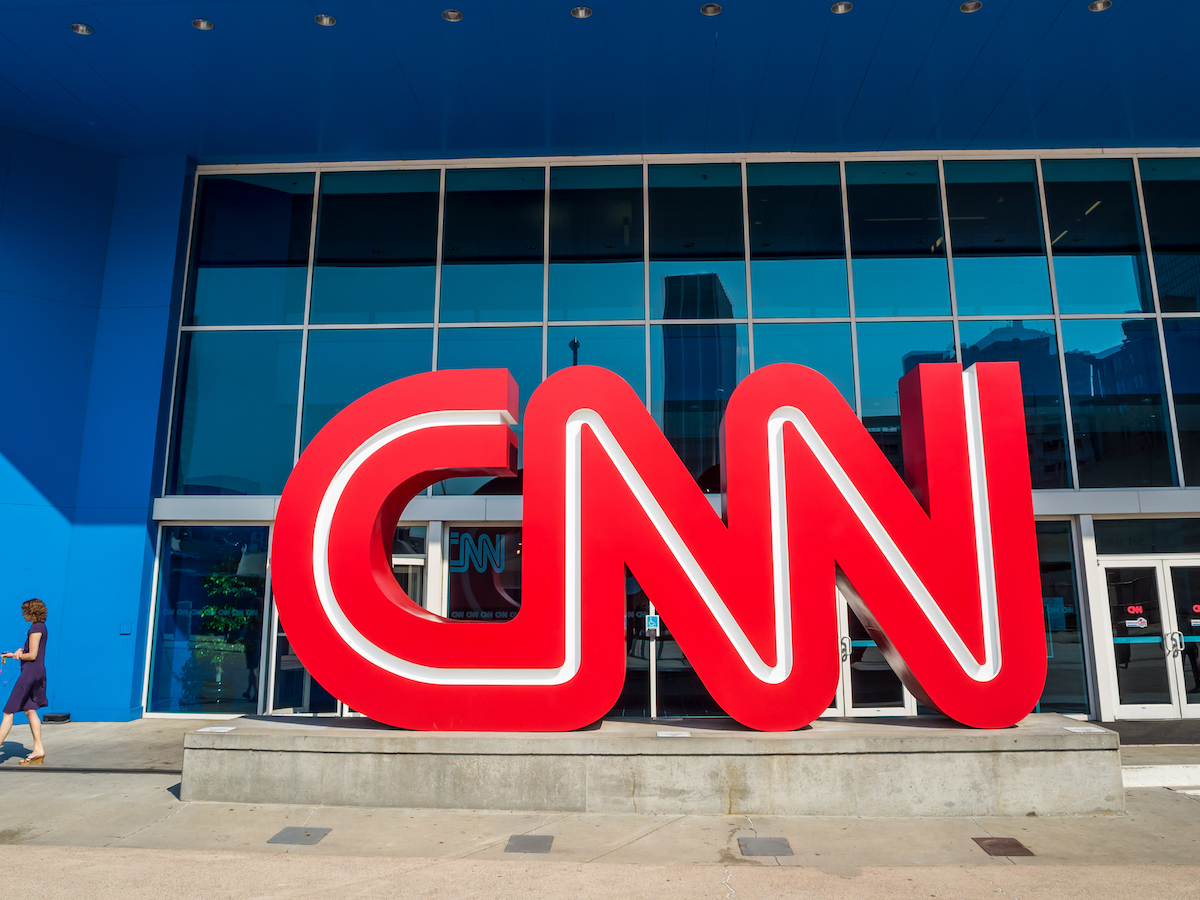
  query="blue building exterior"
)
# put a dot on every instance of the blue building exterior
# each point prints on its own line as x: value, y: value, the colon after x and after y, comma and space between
x: 212, y: 239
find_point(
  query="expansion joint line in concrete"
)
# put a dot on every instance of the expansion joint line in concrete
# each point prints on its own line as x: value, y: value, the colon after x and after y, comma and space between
x: 183, y: 804
x: 634, y: 840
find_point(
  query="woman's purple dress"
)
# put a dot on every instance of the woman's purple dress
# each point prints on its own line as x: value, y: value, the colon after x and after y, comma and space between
x: 30, y: 690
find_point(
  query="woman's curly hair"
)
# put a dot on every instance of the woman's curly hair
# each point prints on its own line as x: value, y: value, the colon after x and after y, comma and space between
x: 34, y: 609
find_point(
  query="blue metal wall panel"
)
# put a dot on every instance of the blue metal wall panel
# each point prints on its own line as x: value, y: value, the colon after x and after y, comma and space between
x: 109, y: 573
x: 54, y: 216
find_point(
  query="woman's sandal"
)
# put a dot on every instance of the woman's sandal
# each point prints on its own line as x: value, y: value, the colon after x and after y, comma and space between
x: 33, y: 760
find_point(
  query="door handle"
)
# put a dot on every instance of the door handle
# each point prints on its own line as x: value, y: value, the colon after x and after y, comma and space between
x: 845, y: 645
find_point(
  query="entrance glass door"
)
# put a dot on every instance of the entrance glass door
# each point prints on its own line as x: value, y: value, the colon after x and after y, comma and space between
x: 1152, y: 644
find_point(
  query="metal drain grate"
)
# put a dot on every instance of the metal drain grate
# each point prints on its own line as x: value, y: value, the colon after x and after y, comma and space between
x: 294, y: 835
x: 764, y: 847
x: 994, y: 846
x: 529, y: 843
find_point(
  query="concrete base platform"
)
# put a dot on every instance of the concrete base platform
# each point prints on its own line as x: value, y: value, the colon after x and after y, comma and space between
x: 851, y: 767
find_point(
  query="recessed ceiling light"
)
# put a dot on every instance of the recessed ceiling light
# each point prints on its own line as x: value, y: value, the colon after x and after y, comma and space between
x: 581, y: 12
x: 452, y: 15
x: 971, y: 6
x: 80, y: 28
x: 711, y: 9
x: 203, y: 24
x: 1099, y: 5
x: 840, y: 9
x: 325, y: 20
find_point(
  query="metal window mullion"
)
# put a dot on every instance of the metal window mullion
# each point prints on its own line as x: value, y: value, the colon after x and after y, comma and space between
x: 153, y: 617
x: 187, y: 271
x: 652, y: 644
x: 266, y: 653
x: 850, y: 287
x: 1069, y: 418
x: 1162, y: 335
x: 746, y: 242
x: 308, y: 285
x: 646, y: 273
x: 949, y: 258
x: 437, y: 269
x: 546, y: 277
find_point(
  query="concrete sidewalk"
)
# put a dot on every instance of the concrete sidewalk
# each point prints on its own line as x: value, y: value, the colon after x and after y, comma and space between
x: 93, y: 831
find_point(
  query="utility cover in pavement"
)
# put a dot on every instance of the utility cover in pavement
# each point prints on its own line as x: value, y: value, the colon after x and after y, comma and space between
x: 1003, y: 846
x: 764, y: 847
x: 294, y: 835
x: 529, y: 843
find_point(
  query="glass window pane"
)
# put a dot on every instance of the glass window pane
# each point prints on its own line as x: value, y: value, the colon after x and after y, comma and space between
x: 1137, y: 629
x: 1185, y: 588
x: 484, y: 572
x: 694, y: 369
x: 1066, y: 684
x: 797, y: 240
x: 887, y: 351
x: 517, y: 349
x: 250, y: 250
x: 344, y: 365
x: 376, y: 247
x: 896, y: 239
x: 1125, y: 537
x: 492, y: 248
x: 824, y: 346
x: 296, y: 691
x: 681, y: 693
x: 619, y: 348
x: 1172, y: 191
x: 234, y: 428
x: 697, y: 250
x: 634, y: 702
x: 1183, y: 357
x: 1096, y: 236
x: 996, y: 233
x: 1114, y: 375
x: 1034, y: 344
x: 873, y: 684
x: 208, y: 625
x: 596, y: 265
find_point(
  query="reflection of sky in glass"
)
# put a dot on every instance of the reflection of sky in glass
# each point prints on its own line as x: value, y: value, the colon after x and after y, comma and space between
x: 619, y: 348
x: 236, y: 431
x: 901, y: 286
x: 517, y: 349
x: 1097, y: 284
x: 1002, y: 285
x: 344, y: 365
x: 824, y: 346
x: 888, y: 350
x: 799, y: 287
x: 600, y: 290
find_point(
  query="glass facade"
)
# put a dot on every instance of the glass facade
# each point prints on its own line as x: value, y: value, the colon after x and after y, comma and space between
x: 208, y: 633
x: 1043, y: 262
x: 307, y: 290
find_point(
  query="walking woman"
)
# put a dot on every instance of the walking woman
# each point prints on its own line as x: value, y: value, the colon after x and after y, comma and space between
x: 29, y: 693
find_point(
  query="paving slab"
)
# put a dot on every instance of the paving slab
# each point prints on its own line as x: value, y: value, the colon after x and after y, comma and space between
x: 140, y: 744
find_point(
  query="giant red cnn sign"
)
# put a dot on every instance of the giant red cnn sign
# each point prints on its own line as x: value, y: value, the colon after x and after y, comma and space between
x: 942, y: 569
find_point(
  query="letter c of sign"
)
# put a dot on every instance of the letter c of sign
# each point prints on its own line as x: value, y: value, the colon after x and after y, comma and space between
x: 942, y: 570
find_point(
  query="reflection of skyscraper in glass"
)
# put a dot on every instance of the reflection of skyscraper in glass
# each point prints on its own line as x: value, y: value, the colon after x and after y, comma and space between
x: 1036, y: 350
x: 699, y: 370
